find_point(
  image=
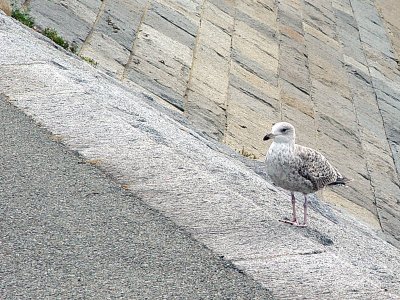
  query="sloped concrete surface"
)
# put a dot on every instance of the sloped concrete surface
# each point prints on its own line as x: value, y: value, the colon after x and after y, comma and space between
x: 222, y: 201
x: 234, y: 68
x: 69, y: 232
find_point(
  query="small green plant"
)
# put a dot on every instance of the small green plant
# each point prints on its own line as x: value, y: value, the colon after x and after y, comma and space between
x: 23, y: 17
x: 52, y: 34
x: 247, y: 154
x: 89, y: 60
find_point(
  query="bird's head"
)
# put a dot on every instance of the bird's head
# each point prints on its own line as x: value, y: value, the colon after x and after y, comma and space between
x: 281, y: 132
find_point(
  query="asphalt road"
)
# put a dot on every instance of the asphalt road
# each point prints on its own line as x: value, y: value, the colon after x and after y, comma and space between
x: 69, y: 231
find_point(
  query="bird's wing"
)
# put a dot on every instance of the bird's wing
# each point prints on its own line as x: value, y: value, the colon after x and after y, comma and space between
x: 315, y: 167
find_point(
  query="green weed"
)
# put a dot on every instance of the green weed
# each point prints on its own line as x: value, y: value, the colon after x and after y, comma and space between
x: 247, y: 154
x: 23, y: 17
x: 89, y: 60
x: 52, y: 34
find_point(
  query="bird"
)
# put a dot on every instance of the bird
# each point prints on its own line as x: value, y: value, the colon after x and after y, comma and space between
x: 298, y: 168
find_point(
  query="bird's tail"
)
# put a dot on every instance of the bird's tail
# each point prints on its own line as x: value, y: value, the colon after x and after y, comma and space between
x: 341, y: 180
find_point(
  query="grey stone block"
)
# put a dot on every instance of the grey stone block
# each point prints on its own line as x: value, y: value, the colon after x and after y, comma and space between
x: 172, y: 23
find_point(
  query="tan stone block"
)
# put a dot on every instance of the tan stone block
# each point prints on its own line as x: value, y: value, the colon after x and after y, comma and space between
x: 248, y: 35
x: 330, y: 102
x: 343, y: 6
x: 201, y: 87
x: 377, y: 60
x: 296, y: 99
x: 341, y: 149
x: 163, y: 59
x: 211, y: 69
x: 358, y: 212
x: 254, y: 53
x: 259, y: 12
x: 306, y: 130
x: 152, y: 43
x: 380, y: 161
x: 207, y: 114
x: 390, y: 78
x: 328, y: 41
x: 5, y: 7
x: 151, y: 95
x: 257, y: 82
x: 390, y: 10
x: 109, y: 55
x: 293, y: 34
x: 176, y: 83
x: 330, y: 73
x: 190, y: 9
x: 248, y: 120
x: 215, y: 38
x: 356, y: 64
x: 218, y: 17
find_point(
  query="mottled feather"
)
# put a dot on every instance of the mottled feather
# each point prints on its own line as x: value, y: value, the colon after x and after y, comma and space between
x: 298, y: 168
x: 314, y: 167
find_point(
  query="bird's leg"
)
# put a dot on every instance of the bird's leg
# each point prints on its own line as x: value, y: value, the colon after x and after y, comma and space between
x: 304, y: 224
x: 294, y: 219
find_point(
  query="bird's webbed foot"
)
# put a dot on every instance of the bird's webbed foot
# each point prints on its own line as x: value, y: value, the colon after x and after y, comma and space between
x: 293, y: 222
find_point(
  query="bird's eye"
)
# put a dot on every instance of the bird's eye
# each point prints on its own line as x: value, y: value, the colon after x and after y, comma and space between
x: 284, y: 130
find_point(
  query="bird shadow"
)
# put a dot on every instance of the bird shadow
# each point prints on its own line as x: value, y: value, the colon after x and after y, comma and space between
x: 317, y: 236
x: 322, y: 208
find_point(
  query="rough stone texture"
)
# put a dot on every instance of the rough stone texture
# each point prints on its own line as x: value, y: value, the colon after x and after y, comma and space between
x: 209, y: 76
x: 252, y: 102
x: 221, y: 199
x: 68, y: 231
x: 5, y: 6
x: 236, y: 67
x: 389, y: 11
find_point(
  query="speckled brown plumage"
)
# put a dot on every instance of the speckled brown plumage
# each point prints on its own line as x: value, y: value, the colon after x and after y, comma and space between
x: 297, y: 168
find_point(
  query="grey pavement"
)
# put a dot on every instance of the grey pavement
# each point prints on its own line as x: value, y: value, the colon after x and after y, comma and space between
x: 69, y: 232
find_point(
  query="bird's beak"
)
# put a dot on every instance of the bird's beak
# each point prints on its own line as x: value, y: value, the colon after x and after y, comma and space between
x: 268, y: 136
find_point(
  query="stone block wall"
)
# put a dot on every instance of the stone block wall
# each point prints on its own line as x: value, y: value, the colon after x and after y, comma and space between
x: 234, y: 68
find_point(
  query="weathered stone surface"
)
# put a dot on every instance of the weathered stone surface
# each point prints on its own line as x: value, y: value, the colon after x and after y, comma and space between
x: 261, y: 52
x: 336, y: 119
x: 171, y: 23
x: 294, y: 74
x: 371, y: 29
x: 73, y: 21
x: 236, y: 67
x: 259, y: 15
x: 161, y: 64
x: 213, y: 195
x: 5, y: 7
x: 121, y: 25
x: 325, y: 60
x: 253, y: 94
x: 206, y: 96
x: 320, y: 15
x: 389, y: 10
x: 249, y: 111
x: 105, y: 51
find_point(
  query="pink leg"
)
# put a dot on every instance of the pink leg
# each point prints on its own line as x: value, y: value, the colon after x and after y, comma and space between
x: 305, y: 210
x: 294, y: 219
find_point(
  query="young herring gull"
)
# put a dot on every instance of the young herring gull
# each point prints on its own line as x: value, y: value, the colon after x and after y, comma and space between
x: 297, y: 168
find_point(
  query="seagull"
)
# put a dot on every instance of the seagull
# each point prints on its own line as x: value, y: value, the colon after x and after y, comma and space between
x: 297, y: 168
